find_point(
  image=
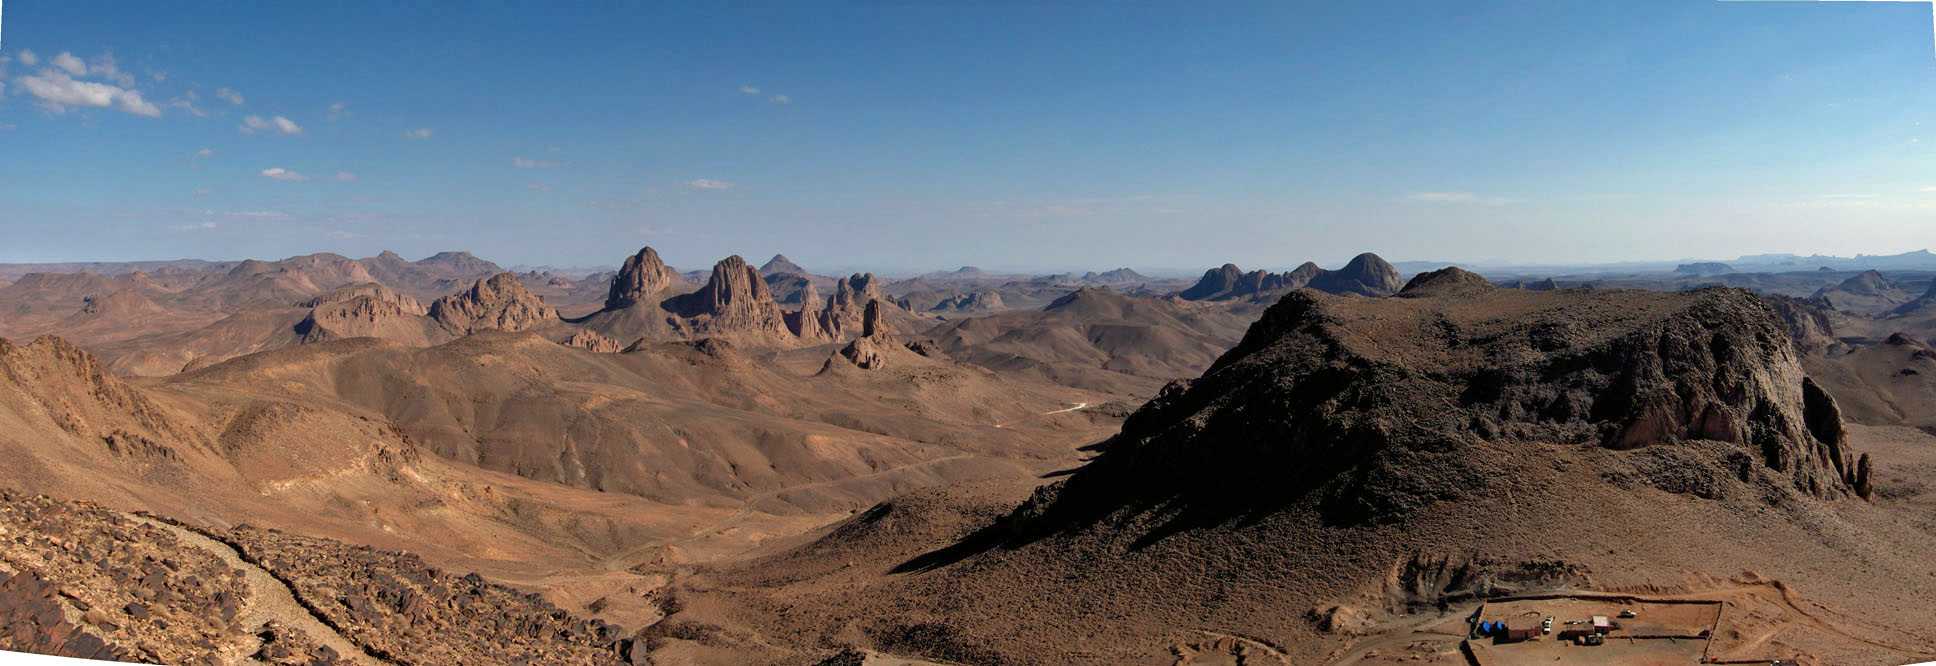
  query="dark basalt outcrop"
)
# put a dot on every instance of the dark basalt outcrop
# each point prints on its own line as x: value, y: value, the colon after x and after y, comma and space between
x: 497, y: 303
x: 642, y: 276
x: 1378, y: 407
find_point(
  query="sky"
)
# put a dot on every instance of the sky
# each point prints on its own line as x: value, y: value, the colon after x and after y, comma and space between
x: 914, y: 136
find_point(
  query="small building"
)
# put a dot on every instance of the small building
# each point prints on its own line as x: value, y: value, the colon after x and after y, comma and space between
x: 1522, y: 628
x: 1602, y: 625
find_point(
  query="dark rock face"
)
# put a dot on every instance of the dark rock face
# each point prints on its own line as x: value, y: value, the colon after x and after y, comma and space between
x: 497, y: 303
x: 734, y: 300
x: 1366, y: 275
x: 642, y: 276
x: 1377, y: 407
x: 1445, y: 281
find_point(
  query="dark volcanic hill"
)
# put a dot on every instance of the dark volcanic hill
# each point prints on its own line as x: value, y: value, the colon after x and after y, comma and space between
x: 1365, y: 275
x: 1359, y: 461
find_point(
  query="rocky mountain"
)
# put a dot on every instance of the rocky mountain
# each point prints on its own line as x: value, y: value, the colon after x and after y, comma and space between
x: 497, y: 303
x: 1098, y: 339
x: 971, y: 302
x: 1921, y: 305
x: 1355, y: 463
x: 780, y: 265
x: 735, y: 301
x: 845, y: 311
x: 1365, y: 275
x: 808, y: 323
x: 1443, y: 282
x: 1868, y: 292
x: 366, y: 310
x: 639, y: 280
x: 1703, y: 268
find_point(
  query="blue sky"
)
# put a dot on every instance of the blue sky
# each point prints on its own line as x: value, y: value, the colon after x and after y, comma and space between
x: 898, y: 136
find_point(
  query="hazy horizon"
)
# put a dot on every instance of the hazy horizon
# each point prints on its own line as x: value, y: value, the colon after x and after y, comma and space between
x: 1022, y: 138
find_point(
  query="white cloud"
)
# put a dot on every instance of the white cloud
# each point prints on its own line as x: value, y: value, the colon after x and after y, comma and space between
x: 708, y: 184
x: 230, y: 95
x: 1928, y: 190
x: 1460, y: 198
x: 528, y: 163
x: 72, y: 65
x: 279, y: 124
x: 57, y: 91
x: 103, y: 66
x: 205, y: 226
x: 338, y: 110
x: 345, y: 176
x: 279, y: 173
x: 28, y: 58
x: 750, y: 90
x: 418, y: 134
x: 205, y: 153
x: 780, y: 99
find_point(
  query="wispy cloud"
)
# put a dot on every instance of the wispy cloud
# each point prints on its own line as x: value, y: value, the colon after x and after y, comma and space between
x: 748, y: 89
x: 528, y: 163
x: 708, y: 184
x: 68, y: 63
x: 58, y: 90
x: 418, y: 134
x: 203, y: 226
x: 204, y: 153
x: 1459, y: 198
x: 277, y: 124
x: 285, y: 175
x: 28, y: 58
x: 231, y: 96
x: 345, y: 177
x: 256, y: 214
x: 338, y: 110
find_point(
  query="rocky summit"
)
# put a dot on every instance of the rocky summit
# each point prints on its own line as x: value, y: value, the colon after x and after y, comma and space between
x: 497, y: 303
x: 735, y: 300
x: 642, y: 276
x: 1379, y: 405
